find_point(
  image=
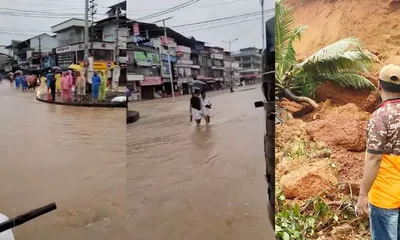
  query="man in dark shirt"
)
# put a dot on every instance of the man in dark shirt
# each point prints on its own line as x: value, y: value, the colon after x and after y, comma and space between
x: 195, y: 107
x: 52, y: 85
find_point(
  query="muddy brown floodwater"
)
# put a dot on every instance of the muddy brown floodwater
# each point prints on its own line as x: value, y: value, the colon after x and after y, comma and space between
x: 187, y: 182
x: 73, y: 156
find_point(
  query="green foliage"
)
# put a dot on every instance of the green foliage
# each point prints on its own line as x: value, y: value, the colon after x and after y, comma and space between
x: 315, y: 215
x: 341, y: 61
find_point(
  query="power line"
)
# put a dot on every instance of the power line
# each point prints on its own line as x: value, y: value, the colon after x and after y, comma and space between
x: 169, y: 10
x: 188, y: 9
x: 13, y: 11
x: 200, y: 23
x: 223, y: 19
x: 223, y: 25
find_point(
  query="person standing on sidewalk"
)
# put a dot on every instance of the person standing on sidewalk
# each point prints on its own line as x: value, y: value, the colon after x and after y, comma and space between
x: 96, y: 80
x: 52, y: 85
x: 380, y: 186
x: 80, y: 86
x: 103, y: 86
x: 65, y: 86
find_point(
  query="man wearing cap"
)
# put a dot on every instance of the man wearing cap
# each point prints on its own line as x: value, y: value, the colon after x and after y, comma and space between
x: 380, y: 186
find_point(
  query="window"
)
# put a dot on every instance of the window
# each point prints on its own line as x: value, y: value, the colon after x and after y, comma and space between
x: 80, y: 55
x: 247, y: 65
x: 245, y: 59
x: 103, y: 55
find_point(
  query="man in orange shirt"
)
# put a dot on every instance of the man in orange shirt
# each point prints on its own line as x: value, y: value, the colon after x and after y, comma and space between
x: 380, y: 187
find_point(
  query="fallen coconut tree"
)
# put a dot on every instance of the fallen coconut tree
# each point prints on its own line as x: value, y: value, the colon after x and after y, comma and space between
x: 341, y: 62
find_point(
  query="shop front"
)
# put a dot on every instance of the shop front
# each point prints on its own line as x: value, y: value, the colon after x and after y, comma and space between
x: 103, y: 55
x: 150, y: 87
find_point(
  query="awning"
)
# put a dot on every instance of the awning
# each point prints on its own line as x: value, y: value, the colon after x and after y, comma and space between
x: 151, y: 81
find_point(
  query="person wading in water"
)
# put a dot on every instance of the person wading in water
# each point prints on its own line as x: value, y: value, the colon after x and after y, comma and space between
x: 206, y: 106
x: 195, y: 107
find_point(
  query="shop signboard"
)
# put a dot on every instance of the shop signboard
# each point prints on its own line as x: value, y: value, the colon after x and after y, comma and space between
x: 164, y: 58
x: 100, y: 65
x: 151, y: 81
x: 65, y: 59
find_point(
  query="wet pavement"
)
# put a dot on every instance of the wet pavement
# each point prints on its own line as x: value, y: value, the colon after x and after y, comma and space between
x: 187, y: 182
x: 68, y: 155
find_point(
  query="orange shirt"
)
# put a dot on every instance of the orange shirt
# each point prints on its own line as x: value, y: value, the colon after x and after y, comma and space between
x: 384, y: 138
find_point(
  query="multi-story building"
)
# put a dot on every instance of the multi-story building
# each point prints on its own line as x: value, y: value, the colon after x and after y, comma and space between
x: 231, y: 69
x: 250, y: 61
x: 102, y: 41
x: 166, y: 47
x: 185, y: 68
x: 143, y: 71
x: 4, y: 59
x: 34, y: 53
x: 216, y: 56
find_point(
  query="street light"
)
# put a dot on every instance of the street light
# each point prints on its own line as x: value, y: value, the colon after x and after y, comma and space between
x: 169, y: 60
x: 262, y: 23
x: 230, y: 62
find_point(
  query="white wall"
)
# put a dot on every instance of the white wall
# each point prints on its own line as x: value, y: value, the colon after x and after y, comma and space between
x: 70, y: 37
x: 110, y: 30
x: 47, y: 43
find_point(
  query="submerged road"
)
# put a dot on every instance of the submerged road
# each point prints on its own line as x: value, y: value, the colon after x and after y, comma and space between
x: 73, y: 156
x: 187, y: 182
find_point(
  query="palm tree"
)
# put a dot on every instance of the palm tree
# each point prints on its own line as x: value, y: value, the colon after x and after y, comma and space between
x: 341, y: 62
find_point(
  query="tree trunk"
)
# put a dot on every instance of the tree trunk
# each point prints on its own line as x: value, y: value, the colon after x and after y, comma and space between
x: 290, y: 96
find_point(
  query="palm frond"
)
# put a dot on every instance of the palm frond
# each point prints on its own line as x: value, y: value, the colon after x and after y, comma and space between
x: 338, y: 48
x: 346, y: 62
x: 289, y: 57
x: 283, y: 29
x: 352, y: 80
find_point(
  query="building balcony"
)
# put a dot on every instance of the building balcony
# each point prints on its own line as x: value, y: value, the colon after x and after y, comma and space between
x: 184, y: 62
x: 217, y: 67
x: 217, y: 56
x: 183, y: 49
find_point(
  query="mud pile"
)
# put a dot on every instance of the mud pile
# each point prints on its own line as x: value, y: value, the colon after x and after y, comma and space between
x: 376, y: 23
x: 322, y: 148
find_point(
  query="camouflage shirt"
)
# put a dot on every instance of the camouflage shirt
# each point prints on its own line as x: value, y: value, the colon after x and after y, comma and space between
x: 383, y: 135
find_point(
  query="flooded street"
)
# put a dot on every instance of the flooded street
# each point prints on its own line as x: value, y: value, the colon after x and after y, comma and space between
x: 69, y: 155
x: 187, y: 182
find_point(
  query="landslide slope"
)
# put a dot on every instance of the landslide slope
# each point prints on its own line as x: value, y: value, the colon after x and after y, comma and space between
x: 376, y: 23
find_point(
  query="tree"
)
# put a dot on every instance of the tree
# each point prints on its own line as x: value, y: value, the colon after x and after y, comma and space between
x: 341, y: 62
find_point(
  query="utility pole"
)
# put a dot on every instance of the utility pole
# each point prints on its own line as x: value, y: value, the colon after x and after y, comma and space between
x: 262, y: 24
x: 230, y: 62
x: 40, y: 53
x: 93, y: 11
x: 86, y: 38
x: 116, y: 35
x: 169, y: 60
x: 116, y: 49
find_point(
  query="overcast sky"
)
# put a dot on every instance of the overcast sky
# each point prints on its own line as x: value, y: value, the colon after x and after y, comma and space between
x: 248, y: 30
x: 22, y: 19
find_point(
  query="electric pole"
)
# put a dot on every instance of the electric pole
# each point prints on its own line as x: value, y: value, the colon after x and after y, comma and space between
x: 169, y: 60
x: 92, y: 11
x: 40, y: 53
x: 116, y: 49
x: 262, y: 23
x: 86, y: 38
x: 230, y: 63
